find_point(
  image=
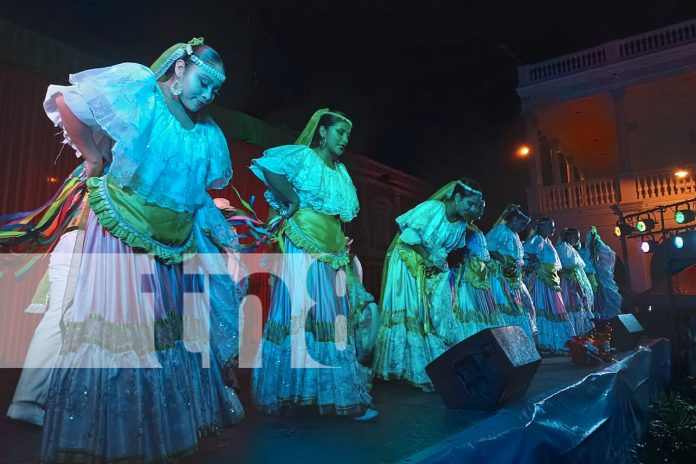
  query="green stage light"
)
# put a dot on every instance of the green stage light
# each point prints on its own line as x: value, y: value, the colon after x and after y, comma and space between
x: 683, y: 216
x: 645, y: 225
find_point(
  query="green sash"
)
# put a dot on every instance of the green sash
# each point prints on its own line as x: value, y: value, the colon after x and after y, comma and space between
x: 318, y: 234
x: 549, y: 275
x: 474, y: 272
x: 163, y: 232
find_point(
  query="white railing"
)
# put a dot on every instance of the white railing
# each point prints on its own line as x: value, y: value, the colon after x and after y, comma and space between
x: 610, y: 52
x: 561, y: 66
x: 644, y: 186
x: 585, y: 194
x: 659, y: 39
x: 663, y: 183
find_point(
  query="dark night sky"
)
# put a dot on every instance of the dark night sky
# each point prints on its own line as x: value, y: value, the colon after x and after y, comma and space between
x: 430, y: 85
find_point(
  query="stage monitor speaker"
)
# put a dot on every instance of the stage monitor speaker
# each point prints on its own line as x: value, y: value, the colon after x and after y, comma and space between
x: 625, y: 331
x: 485, y: 371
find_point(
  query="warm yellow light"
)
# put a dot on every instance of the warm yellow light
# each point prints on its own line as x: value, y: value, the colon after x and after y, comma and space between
x: 681, y: 173
x: 523, y: 151
x: 52, y: 180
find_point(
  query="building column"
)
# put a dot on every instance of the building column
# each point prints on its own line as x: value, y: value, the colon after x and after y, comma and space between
x: 570, y: 169
x: 536, y: 179
x: 625, y: 164
x: 531, y: 126
x: 554, y: 148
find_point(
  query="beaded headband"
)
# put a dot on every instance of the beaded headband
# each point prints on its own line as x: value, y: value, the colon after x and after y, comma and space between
x: 214, y: 73
x: 307, y: 134
x: 179, y: 51
x: 468, y: 189
x: 340, y: 116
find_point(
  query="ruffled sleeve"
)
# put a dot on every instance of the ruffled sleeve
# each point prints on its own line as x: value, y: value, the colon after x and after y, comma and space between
x: 478, y: 247
x: 504, y: 241
x: 427, y: 225
x: 154, y: 155
x: 287, y: 160
x: 418, y: 223
x: 219, y: 172
x: 534, y: 245
x: 496, y: 238
x: 326, y: 190
x: 569, y: 256
x: 117, y: 102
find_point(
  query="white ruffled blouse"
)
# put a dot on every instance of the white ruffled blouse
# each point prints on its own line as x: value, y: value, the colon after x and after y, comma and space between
x: 318, y: 186
x: 543, y: 249
x: 503, y: 240
x: 569, y: 256
x: 151, y: 153
x: 427, y: 225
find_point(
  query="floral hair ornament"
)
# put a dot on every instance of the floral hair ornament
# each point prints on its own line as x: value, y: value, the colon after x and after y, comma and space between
x: 178, y: 51
x: 307, y: 134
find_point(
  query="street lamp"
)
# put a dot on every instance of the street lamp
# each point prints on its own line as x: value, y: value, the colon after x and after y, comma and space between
x: 523, y: 151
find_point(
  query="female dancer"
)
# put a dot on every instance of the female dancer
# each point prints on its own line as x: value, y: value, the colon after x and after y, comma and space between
x: 413, y: 330
x: 507, y: 253
x: 307, y: 355
x: 576, y: 289
x: 541, y: 268
x: 475, y: 307
x: 131, y: 378
x: 607, y: 301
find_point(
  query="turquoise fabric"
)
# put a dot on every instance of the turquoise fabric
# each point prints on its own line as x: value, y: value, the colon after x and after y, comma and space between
x: 151, y: 148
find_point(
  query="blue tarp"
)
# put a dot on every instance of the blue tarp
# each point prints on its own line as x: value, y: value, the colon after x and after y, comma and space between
x: 598, y: 419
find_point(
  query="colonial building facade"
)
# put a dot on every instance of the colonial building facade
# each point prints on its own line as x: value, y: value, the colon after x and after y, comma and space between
x: 609, y: 128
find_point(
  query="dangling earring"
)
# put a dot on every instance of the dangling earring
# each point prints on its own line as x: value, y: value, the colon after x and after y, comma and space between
x: 176, y: 88
x: 322, y: 143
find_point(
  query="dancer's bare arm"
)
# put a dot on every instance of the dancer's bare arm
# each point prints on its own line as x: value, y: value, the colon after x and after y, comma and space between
x: 81, y: 135
x: 280, y: 186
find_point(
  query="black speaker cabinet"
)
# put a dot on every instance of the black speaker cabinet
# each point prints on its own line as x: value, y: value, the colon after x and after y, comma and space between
x: 485, y: 371
x: 625, y: 331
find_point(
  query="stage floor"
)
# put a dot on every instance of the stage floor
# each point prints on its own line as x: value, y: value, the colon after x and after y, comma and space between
x: 410, y: 422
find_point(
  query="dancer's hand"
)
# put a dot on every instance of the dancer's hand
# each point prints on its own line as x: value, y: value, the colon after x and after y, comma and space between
x: 292, y: 209
x: 93, y: 168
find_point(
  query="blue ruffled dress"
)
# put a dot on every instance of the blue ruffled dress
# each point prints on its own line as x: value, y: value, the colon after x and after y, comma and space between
x: 139, y: 376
